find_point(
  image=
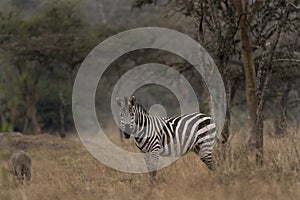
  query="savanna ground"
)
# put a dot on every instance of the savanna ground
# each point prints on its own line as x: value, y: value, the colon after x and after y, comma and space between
x: 63, y: 169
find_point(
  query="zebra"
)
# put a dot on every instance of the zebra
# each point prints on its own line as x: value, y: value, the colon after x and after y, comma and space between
x: 167, y: 136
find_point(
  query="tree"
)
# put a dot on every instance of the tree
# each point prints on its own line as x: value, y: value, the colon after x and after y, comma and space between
x: 10, y: 99
x: 215, y: 24
x: 279, y: 18
x: 42, y: 51
x: 241, y: 8
x: 260, y: 25
x: 34, y: 46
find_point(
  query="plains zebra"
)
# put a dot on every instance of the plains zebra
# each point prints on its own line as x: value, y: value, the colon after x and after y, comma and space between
x: 167, y: 136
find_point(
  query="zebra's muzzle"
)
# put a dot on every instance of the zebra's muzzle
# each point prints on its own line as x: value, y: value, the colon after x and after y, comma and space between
x: 127, y: 131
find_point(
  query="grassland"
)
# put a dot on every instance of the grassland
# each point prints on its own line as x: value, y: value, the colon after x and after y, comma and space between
x: 63, y: 169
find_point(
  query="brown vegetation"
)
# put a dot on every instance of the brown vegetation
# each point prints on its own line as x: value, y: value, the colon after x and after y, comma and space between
x: 63, y: 169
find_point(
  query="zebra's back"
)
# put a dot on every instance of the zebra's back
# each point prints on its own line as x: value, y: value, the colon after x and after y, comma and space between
x: 185, y: 133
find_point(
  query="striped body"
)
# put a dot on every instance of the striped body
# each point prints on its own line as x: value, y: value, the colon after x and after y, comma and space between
x: 174, y: 136
x: 168, y: 136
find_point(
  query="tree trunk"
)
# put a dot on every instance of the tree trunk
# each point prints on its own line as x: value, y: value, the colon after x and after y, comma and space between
x: 226, y: 131
x: 62, y: 131
x: 226, y: 128
x: 280, y: 114
x: 259, y: 133
x: 262, y: 80
x: 32, y: 112
x: 298, y: 113
x: 2, y: 120
x: 249, y: 70
x: 25, y: 124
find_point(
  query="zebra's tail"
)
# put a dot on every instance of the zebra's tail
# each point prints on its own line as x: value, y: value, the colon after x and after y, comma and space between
x: 221, y: 139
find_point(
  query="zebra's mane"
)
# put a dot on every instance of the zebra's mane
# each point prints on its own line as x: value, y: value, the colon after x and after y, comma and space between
x: 140, y: 108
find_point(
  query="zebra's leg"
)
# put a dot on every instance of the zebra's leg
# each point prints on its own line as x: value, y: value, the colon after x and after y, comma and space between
x: 151, y: 159
x: 209, y: 161
x: 205, y: 154
x: 121, y: 135
x: 147, y: 161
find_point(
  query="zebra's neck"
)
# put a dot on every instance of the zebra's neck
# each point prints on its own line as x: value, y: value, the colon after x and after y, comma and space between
x: 139, y: 109
x: 146, y: 124
x: 141, y: 121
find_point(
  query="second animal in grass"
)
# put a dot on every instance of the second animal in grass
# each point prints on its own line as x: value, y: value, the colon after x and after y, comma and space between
x: 21, y: 164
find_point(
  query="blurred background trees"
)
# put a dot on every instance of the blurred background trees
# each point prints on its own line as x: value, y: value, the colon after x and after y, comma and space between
x: 40, y: 55
x: 42, y: 44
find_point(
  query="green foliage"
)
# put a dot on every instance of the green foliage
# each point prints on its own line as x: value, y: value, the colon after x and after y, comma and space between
x: 24, y: 4
x: 49, y: 103
x: 141, y: 3
x: 103, y: 31
x: 10, y: 98
x: 62, y: 16
x: 5, y: 126
x: 41, y: 54
x: 10, y: 23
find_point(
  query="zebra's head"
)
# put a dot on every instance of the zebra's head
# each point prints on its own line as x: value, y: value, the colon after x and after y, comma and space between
x: 127, y: 115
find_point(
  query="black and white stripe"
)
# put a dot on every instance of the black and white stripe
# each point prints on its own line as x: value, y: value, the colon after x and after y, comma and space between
x: 168, y: 136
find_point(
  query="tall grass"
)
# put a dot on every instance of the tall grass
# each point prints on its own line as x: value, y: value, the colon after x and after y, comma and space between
x: 63, y: 169
x: 281, y: 159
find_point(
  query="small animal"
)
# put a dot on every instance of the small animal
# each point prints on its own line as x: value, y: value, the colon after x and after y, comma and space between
x: 21, y: 165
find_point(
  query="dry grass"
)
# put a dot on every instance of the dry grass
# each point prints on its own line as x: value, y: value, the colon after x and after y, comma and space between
x: 63, y: 169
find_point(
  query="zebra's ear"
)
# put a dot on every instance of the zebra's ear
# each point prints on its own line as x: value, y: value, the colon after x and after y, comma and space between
x: 132, y: 100
x: 119, y: 102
